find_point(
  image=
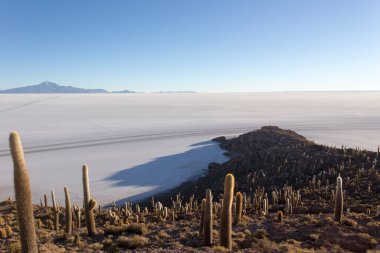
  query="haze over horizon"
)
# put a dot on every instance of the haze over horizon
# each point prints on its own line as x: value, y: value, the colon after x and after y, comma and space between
x: 203, y: 46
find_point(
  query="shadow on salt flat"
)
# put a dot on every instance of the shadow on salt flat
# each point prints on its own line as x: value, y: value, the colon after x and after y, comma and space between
x: 166, y: 172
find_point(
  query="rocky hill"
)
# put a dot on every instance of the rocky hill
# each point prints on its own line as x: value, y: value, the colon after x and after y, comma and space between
x: 285, y: 199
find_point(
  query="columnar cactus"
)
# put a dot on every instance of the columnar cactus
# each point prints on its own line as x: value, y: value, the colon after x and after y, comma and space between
x: 280, y: 216
x: 289, y: 207
x: 69, y: 214
x: 265, y: 207
x: 55, y: 212
x: 77, y: 214
x: 207, y: 235
x: 239, y: 206
x: 338, y: 211
x: 23, y: 196
x: 226, y: 215
x: 46, y: 200
x: 202, y: 216
x: 89, y: 204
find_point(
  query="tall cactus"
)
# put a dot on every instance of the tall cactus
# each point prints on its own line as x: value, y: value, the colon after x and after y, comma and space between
x: 23, y: 196
x: 207, y: 235
x: 239, y: 206
x: 45, y: 200
x: 338, y: 211
x: 55, y: 212
x: 89, y: 204
x: 69, y: 214
x: 203, y: 205
x: 226, y: 215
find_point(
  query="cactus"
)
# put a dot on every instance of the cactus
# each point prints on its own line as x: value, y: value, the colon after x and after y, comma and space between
x: 9, y: 231
x: 226, y: 215
x: 69, y: 214
x: 55, y: 212
x: 161, y: 212
x: 77, y: 214
x: 207, y: 235
x: 127, y: 214
x: 265, y: 207
x: 46, y: 201
x: 23, y: 196
x: 3, y: 233
x: 77, y: 241
x: 338, y: 210
x: 280, y: 216
x: 239, y: 206
x: 202, y: 217
x: 39, y: 223
x: 89, y: 204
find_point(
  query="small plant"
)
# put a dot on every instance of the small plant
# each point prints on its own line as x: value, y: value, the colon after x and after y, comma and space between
x: 132, y: 242
x: 349, y: 222
x: 220, y: 249
x: 136, y: 228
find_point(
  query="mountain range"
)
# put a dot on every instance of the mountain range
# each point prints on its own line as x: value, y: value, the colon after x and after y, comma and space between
x: 50, y: 87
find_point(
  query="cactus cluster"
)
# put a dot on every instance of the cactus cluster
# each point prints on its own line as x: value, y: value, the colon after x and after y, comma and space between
x: 230, y: 209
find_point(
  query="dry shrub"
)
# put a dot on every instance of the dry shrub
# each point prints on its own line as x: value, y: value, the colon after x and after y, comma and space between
x: 260, y: 233
x: 15, y: 247
x: 133, y: 242
x: 219, y: 249
x: 136, y: 228
x: 162, y: 235
x: 349, y: 222
x: 113, y: 230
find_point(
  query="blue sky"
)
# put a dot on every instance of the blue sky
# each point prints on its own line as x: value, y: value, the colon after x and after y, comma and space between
x: 200, y: 45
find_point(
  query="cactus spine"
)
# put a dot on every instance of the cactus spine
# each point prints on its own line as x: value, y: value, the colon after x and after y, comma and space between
x: 88, y: 202
x: 207, y: 235
x: 69, y: 214
x: 239, y: 206
x: 338, y: 211
x: 23, y: 196
x: 226, y: 215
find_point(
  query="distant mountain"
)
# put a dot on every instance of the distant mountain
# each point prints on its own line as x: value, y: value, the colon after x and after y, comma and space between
x: 169, y: 91
x: 49, y: 87
x: 124, y: 91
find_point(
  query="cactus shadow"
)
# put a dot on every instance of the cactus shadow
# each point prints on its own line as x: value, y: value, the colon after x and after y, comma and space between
x: 166, y: 172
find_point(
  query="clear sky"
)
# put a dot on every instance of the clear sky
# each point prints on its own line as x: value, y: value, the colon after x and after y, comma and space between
x: 200, y: 45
